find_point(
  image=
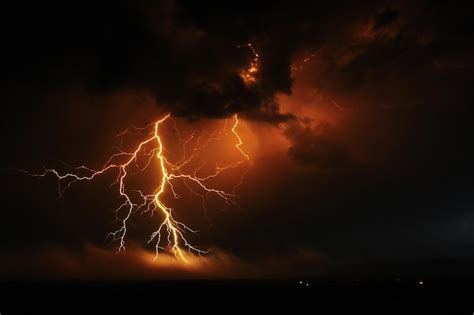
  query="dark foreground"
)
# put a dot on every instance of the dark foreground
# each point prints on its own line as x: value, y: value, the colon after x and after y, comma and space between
x: 308, y: 296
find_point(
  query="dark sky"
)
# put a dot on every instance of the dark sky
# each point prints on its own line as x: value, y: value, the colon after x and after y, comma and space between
x: 378, y: 165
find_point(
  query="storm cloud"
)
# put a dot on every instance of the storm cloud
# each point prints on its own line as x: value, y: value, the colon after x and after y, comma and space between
x: 370, y: 102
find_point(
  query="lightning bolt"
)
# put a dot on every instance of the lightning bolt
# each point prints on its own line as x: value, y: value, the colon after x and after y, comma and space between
x: 169, y: 173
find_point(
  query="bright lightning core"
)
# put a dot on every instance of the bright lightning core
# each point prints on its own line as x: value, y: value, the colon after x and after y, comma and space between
x: 170, y: 233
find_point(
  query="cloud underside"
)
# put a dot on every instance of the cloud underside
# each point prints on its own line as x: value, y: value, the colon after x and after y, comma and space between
x: 94, y: 263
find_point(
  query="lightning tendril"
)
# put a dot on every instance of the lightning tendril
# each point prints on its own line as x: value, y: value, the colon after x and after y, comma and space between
x: 170, y: 233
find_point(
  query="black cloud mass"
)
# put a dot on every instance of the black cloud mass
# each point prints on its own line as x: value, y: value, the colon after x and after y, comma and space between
x: 191, y: 66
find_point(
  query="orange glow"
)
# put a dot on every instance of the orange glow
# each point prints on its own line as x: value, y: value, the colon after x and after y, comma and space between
x: 249, y: 75
x: 169, y: 172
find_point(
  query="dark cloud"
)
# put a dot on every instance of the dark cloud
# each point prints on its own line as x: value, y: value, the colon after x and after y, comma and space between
x: 317, y: 146
x: 191, y: 68
x: 397, y: 55
x: 385, y: 18
x: 186, y: 54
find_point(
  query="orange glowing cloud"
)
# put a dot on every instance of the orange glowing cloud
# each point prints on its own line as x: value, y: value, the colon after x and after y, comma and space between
x: 249, y: 75
x: 94, y: 263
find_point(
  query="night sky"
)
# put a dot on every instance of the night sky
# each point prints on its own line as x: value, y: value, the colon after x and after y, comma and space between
x: 359, y: 124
